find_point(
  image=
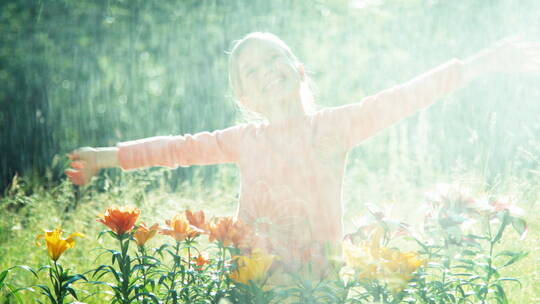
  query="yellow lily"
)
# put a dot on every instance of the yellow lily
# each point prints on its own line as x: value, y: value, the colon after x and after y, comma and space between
x: 56, y: 245
x: 398, y: 269
x: 361, y: 258
x: 252, y: 268
x: 374, y: 262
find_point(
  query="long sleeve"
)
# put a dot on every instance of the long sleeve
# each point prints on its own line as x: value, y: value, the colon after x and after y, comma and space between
x: 205, y: 148
x: 362, y: 120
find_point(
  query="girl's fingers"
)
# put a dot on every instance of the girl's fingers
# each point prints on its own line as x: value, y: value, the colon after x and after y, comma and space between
x: 78, y: 181
x: 533, y: 45
x: 76, y: 154
x: 78, y: 164
x: 508, y: 39
x: 532, y: 52
x: 534, y: 68
x: 72, y: 174
x: 73, y: 155
x: 76, y: 177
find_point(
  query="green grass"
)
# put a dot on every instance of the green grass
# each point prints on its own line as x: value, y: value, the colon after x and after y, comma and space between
x: 29, y: 207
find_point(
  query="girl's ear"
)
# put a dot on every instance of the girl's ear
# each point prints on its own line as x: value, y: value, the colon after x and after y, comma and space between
x: 301, y: 71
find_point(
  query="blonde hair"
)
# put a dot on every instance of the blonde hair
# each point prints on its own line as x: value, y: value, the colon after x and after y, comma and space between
x: 306, y: 93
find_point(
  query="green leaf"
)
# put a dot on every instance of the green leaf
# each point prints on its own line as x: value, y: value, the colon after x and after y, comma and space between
x: 469, y: 252
x: 106, y: 269
x: 46, y: 291
x: 111, y: 285
x: 504, y: 217
x: 14, y: 292
x: 476, y: 237
x: 491, y: 270
x: 173, y: 254
x: 510, y: 280
x: 162, y: 280
x: 73, y: 279
x: 44, y: 288
x: 472, y: 279
x: 515, y: 256
x: 25, y: 267
x: 134, y: 286
x: 161, y: 248
x: 116, y: 255
x: 60, y: 268
x: 128, y: 264
x: 520, y: 226
x: 467, y: 261
x: 72, y: 292
x: 501, y: 294
x: 151, y: 296
x: 106, y: 232
x: 3, y: 276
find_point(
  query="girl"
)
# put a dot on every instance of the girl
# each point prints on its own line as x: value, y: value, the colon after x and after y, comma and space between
x: 292, y: 166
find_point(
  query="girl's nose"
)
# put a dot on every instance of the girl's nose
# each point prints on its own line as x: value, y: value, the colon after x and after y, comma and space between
x: 269, y: 71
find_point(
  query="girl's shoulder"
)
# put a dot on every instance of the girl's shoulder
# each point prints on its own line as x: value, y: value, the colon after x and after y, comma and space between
x: 247, y: 129
x: 330, y: 116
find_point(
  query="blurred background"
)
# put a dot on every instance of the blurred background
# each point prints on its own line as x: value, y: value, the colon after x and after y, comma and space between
x: 94, y: 73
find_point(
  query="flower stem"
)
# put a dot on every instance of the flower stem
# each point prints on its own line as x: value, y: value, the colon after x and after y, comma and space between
x: 124, y: 266
x: 490, y: 261
x: 177, y: 262
x: 57, y: 283
x: 222, y: 261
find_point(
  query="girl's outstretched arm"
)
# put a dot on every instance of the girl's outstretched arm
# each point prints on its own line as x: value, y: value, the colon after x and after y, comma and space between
x: 205, y: 148
x: 374, y: 113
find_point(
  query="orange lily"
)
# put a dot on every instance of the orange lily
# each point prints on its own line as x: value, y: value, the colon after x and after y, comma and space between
x: 200, y: 261
x: 228, y: 232
x: 220, y: 229
x: 144, y: 233
x: 196, y: 219
x: 241, y: 235
x: 179, y: 228
x: 120, y: 219
x: 56, y: 245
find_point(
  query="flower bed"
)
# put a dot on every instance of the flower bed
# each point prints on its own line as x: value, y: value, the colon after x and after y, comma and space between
x: 207, y: 261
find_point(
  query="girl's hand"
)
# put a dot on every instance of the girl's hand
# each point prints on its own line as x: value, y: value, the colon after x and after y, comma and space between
x: 516, y: 56
x: 510, y: 55
x: 84, y: 164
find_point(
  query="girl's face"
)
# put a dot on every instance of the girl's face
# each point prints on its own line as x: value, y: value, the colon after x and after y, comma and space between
x: 270, y: 80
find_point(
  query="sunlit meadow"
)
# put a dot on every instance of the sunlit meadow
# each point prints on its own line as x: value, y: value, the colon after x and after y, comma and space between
x: 424, y: 200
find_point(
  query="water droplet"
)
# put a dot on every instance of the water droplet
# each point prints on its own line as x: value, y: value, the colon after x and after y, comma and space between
x: 66, y: 84
x: 109, y: 20
x: 122, y: 99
